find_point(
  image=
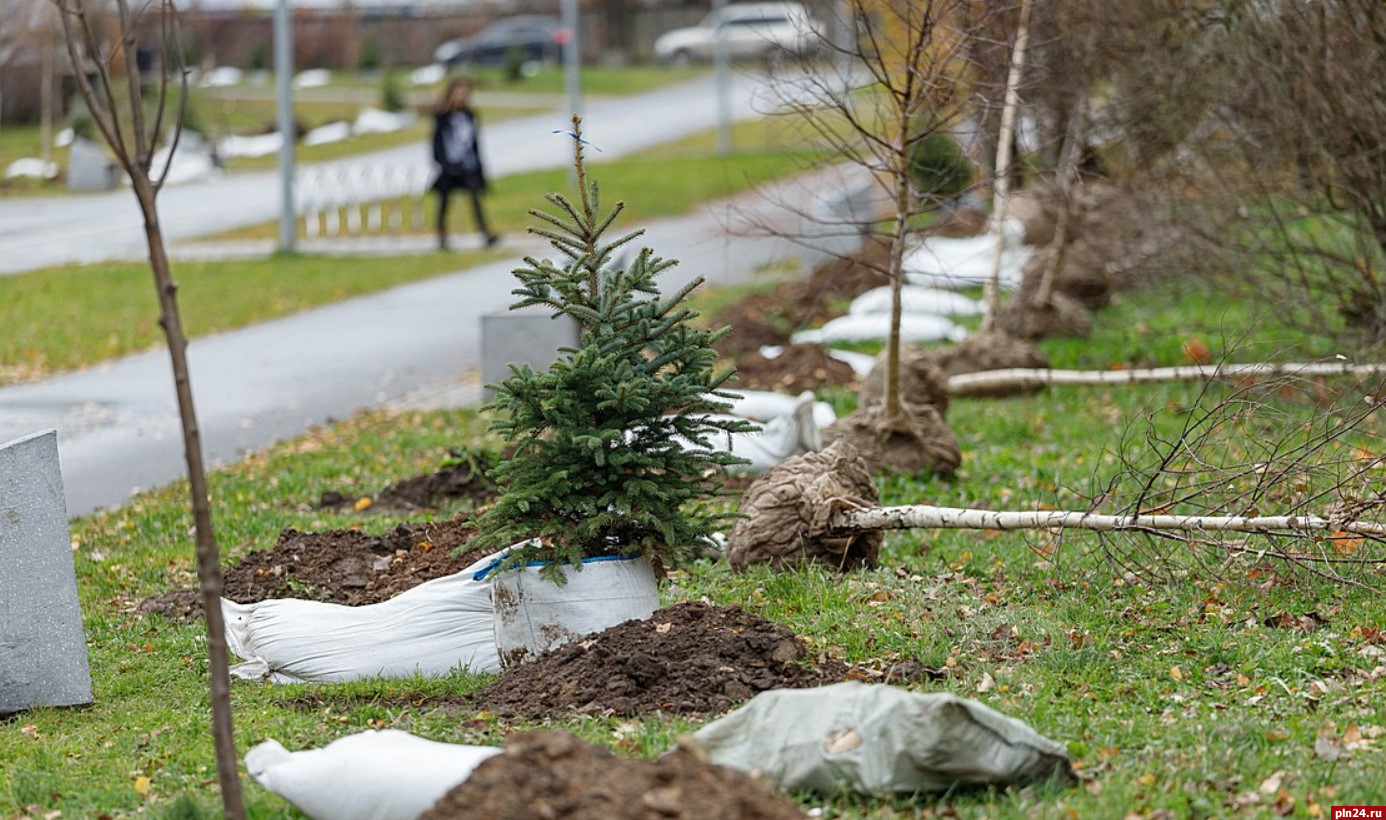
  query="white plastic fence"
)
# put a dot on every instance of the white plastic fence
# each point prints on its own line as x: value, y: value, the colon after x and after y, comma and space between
x: 354, y: 200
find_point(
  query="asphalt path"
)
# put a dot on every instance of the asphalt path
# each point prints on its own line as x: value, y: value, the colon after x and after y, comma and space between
x: 47, y: 231
x: 118, y: 422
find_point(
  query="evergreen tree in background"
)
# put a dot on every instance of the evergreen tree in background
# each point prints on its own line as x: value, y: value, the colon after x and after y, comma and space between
x: 598, y: 468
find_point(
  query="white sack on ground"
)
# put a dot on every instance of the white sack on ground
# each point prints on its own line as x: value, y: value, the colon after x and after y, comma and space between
x: 861, y: 363
x: 389, y: 775
x: 776, y: 440
x: 960, y: 263
x: 914, y: 327
x: 259, y: 145
x: 31, y: 168
x: 763, y: 405
x: 327, y: 134
x: 192, y: 161
x: 916, y: 299
x: 430, y: 630
x: 375, y: 121
x: 879, y: 740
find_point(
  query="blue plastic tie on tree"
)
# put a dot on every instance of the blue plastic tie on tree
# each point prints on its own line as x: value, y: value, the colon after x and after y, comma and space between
x: 576, y: 137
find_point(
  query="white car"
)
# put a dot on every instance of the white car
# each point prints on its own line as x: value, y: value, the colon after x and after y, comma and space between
x: 752, y: 30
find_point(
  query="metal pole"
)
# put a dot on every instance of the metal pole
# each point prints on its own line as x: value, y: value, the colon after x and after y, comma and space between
x: 283, y: 75
x: 572, y: 56
x: 721, y: 68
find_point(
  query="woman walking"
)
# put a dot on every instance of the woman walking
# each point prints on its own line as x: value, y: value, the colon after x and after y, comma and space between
x: 459, y: 160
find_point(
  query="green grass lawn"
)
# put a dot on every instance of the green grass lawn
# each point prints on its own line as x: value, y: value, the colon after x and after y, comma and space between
x: 1202, y: 695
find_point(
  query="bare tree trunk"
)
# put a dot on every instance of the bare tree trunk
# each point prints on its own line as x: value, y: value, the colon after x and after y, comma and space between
x: 1001, y: 177
x: 922, y: 516
x: 1075, y: 140
x: 1020, y: 378
x: 134, y: 144
x: 901, y: 181
x: 208, y: 553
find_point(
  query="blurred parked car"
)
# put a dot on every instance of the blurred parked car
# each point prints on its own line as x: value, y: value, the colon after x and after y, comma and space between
x: 525, y: 38
x: 753, y: 30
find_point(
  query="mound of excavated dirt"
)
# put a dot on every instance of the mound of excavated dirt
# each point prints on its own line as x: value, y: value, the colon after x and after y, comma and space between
x: 465, y: 479
x: 796, y: 369
x: 339, y: 566
x: 690, y: 658
x: 551, y: 775
x: 769, y: 318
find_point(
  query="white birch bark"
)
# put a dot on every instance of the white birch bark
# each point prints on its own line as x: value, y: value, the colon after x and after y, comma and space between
x: 927, y: 517
x: 1020, y: 378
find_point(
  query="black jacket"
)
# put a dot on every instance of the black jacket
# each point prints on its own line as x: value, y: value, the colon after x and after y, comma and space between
x: 467, y: 174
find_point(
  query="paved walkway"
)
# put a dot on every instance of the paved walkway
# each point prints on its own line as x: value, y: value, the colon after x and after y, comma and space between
x: 44, y: 231
x: 417, y: 345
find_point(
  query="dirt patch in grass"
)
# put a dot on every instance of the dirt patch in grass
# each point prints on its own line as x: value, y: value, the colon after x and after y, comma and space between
x: 554, y: 774
x: 338, y: 566
x: 465, y: 479
x: 688, y: 659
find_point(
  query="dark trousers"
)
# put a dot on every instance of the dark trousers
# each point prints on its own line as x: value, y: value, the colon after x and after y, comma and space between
x: 477, y: 212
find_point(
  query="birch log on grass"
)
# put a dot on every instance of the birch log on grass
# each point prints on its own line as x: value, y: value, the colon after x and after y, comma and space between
x: 1015, y: 379
x: 923, y: 516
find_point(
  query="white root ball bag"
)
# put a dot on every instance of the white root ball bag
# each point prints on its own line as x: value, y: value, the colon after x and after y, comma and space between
x: 389, y: 775
x: 534, y: 615
x: 916, y: 299
x: 914, y: 327
x: 430, y: 630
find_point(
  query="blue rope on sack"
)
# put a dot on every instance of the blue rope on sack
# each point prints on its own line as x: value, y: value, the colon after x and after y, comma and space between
x: 480, y: 575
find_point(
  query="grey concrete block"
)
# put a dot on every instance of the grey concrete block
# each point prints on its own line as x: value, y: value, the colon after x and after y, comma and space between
x: 43, y: 650
x: 88, y: 167
x: 531, y: 337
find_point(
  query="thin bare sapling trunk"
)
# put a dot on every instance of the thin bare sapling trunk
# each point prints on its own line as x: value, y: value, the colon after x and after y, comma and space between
x: 907, y: 100
x: 1001, y: 175
x: 1020, y: 378
x: 133, y: 144
x: 1074, y: 142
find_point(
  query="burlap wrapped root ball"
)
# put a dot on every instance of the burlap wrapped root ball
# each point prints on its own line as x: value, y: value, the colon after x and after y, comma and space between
x: 987, y: 350
x: 915, y: 441
x: 790, y: 508
x: 921, y: 380
x: 1061, y: 317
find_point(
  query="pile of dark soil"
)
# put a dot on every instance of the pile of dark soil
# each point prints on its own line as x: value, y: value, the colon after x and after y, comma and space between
x: 770, y: 318
x: 339, y: 566
x: 796, y: 369
x: 550, y: 775
x: 690, y: 659
x: 464, y: 479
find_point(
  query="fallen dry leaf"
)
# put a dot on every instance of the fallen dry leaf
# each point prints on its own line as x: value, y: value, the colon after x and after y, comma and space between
x: 1272, y: 784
